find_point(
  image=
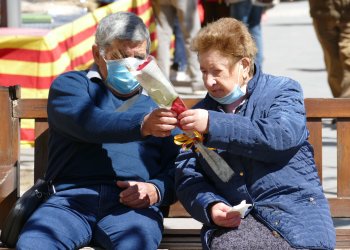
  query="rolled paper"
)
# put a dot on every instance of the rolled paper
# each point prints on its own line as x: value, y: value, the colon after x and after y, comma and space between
x: 160, y: 89
x: 156, y: 84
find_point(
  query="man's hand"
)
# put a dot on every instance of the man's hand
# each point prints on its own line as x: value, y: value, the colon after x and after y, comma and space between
x: 194, y: 120
x: 159, y: 123
x: 221, y: 215
x: 137, y: 194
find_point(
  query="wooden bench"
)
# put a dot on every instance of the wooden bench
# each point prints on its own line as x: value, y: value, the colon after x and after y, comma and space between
x: 181, y: 231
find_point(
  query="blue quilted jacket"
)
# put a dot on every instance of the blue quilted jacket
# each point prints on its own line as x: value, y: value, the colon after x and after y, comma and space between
x: 265, y: 143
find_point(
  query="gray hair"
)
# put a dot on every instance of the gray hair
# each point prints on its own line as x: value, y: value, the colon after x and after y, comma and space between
x: 121, y: 26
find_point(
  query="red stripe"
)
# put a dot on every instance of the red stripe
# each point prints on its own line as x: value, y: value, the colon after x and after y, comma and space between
x: 46, y: 56
x: 27, y: 134
x: 77, y: 39
x: 80, y: 60
x: 141, y: 8
x: 26, y: 81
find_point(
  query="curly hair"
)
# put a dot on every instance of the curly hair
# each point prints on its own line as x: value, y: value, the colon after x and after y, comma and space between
x: 229, y: 36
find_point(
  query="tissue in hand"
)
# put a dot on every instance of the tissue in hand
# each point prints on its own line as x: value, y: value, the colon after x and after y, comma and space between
x: 241, y: 208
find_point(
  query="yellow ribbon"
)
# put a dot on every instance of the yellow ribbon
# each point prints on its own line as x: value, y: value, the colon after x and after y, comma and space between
x: 187, y: 142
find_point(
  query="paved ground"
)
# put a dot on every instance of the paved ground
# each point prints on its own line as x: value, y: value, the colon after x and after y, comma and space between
x: 291, y: 49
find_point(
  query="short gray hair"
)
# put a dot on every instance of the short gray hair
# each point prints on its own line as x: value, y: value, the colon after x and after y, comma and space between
x: 121, y: 26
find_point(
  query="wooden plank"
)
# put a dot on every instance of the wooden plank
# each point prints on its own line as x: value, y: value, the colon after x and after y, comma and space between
x: 9, y: 152
x: 36, y: 108
x: 340, y: 207
x: 315, y: 128
x: 343, y: 158
x: 181, y: 226
x: 342, y: 239
x: 327, y: 107
x: 177, y: 210
x: 30, y: 108
x: 8, y: 177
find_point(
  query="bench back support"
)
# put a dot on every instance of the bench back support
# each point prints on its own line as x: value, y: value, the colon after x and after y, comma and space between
x: 336, y: 108
x: 14, y: 109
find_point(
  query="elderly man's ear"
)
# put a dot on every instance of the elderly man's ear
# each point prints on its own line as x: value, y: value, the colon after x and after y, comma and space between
x: 99, y: 61
x: 96, y: 53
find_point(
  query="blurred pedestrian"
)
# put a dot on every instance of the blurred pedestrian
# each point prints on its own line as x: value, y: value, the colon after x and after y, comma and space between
x: 105, y: 2
x: 189, y: 22
x: 331, y: 20
x: 179, y: 66
x: 214, y: 10
x: 250, y: 14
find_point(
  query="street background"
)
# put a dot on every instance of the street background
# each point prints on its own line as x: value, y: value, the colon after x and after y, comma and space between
x: 290, y: 49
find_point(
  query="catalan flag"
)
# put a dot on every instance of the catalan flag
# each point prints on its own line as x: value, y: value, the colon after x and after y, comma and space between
x: 32, y: 58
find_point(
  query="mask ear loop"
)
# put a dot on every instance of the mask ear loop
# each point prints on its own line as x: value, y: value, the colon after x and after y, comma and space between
x: 244, y: 79
x: 238, y: 75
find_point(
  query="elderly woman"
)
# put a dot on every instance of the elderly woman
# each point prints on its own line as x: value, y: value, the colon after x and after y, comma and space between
x: 256, y: 122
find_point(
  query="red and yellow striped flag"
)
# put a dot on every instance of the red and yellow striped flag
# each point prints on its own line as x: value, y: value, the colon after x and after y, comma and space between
x: 32, y: 58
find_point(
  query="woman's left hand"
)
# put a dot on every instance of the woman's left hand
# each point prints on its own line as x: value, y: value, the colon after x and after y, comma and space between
x: 222, y: 216
x: 194, y: 120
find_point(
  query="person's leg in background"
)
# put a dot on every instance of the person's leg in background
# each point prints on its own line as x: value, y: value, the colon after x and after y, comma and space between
x: 251, y: 16
x: 328, y: 35
x: 179, y: 66
x: 254, y: 25
x: 214, y: 10
x: 344, y: 47
x: 165, y: 20
x: 189, y: 21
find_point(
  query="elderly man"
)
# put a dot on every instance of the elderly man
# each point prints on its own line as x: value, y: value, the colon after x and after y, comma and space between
x: 113, y: 148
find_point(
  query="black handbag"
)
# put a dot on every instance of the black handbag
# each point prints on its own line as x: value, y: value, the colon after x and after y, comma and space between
x: 23, y: 209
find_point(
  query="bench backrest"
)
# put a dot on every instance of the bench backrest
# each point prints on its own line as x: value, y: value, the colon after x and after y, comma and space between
x: 14, y: 109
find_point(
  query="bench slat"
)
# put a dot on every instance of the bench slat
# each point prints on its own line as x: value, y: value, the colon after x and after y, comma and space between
x: 30, y: 108
x: 343, y: 158
x: 327, y: 107
x: 340, y: 207
x: 315, y: 128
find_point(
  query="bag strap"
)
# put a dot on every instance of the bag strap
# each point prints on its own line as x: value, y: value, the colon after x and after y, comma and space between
x: 128, y: 103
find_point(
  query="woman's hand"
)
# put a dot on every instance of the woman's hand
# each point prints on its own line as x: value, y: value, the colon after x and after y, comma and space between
x: 194, y: 120
x: 221, y: 215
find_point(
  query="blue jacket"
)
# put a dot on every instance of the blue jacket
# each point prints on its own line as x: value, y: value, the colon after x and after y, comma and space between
x: 265, y: 143
x: 93, y: 143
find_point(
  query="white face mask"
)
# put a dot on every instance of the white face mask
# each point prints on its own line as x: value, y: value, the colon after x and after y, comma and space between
x: 234, y: 95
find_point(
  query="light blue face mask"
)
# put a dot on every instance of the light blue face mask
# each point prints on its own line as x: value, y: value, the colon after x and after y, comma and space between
x: 233, y: 96
x: 119, y: 77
